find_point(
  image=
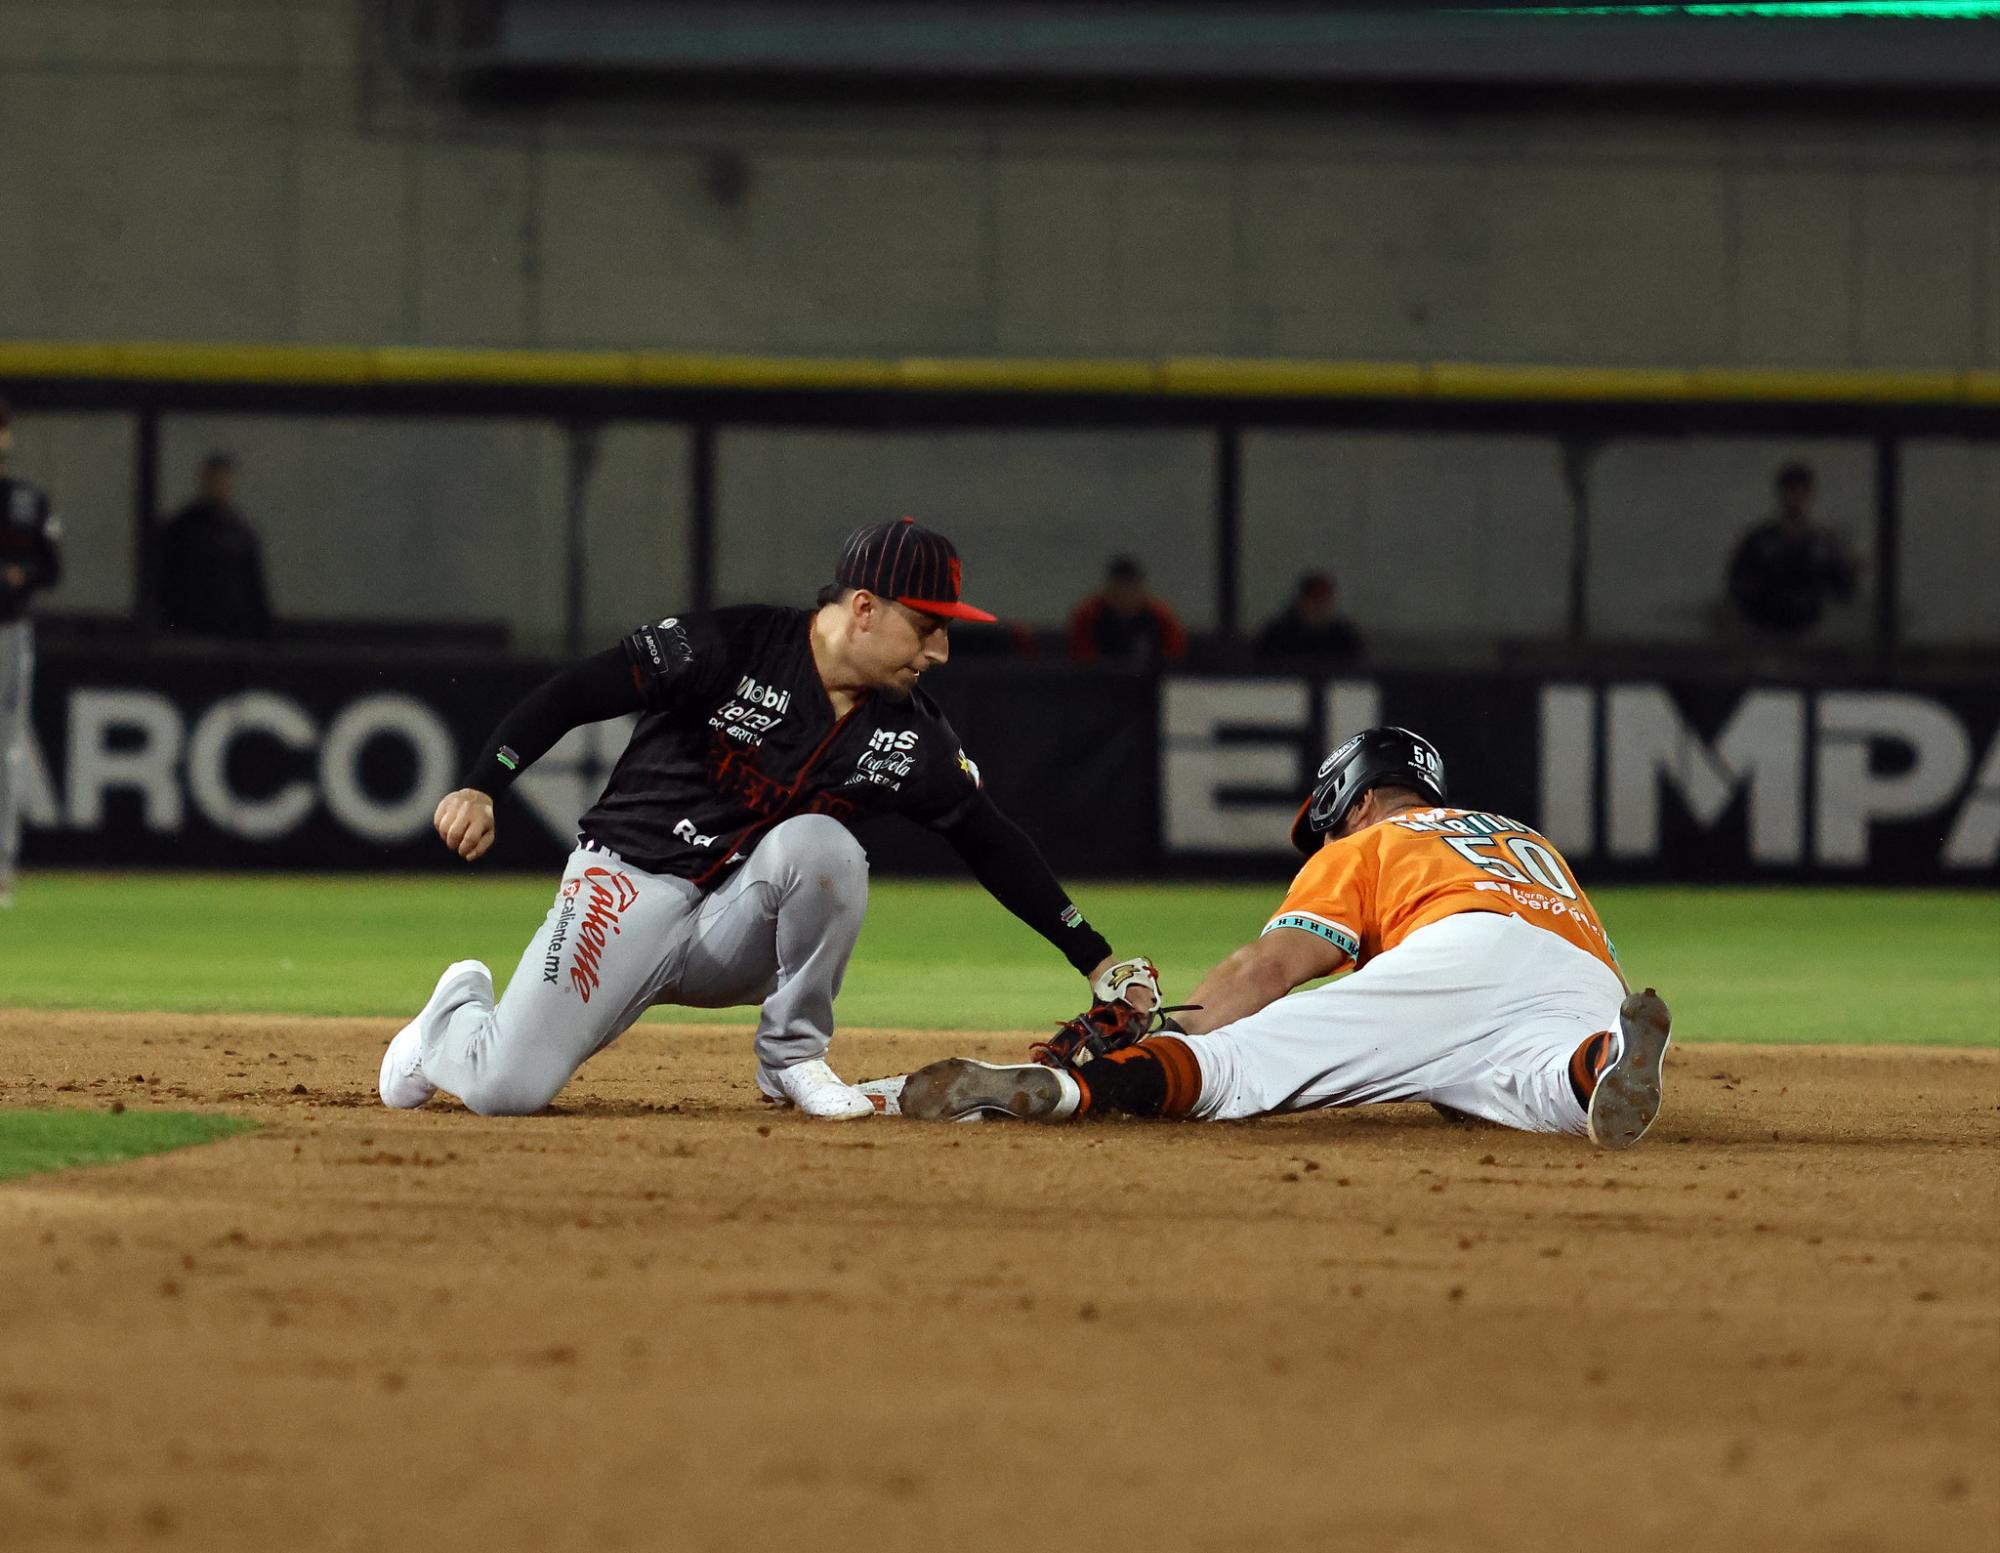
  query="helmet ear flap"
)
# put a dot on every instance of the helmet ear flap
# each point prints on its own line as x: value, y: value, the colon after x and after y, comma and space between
x: 1325, y: 807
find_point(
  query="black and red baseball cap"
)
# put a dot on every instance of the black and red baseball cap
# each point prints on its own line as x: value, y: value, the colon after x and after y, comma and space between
x: 909, y: 563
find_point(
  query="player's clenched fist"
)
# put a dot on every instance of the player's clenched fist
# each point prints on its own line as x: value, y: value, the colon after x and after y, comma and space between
x: 465, y: 820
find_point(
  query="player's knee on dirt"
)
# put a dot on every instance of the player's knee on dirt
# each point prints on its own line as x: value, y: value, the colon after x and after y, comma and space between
x: 520, y: 1090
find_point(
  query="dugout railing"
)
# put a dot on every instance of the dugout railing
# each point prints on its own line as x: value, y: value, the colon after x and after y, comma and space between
x: 583, y: 392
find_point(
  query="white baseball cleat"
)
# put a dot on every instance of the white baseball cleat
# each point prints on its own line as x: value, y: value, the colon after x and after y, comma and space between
x: 1627, y: 1097
x: 960, y: 1088
x: 816, y: 1090
x: 401, y: 1082
x: 885, y: 1094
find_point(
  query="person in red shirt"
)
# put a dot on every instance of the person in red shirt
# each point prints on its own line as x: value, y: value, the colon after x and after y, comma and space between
x: 1122, y: 622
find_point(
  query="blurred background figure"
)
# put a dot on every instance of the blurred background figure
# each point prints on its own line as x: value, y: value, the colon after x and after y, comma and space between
x: 29, y: 562
x: 1123, y: 622
x: 211, y: 564
x: 1310, y: 626
x: 1786, y: 569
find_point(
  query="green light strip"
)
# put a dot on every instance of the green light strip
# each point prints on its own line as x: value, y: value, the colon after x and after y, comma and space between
x: 1787, y: 10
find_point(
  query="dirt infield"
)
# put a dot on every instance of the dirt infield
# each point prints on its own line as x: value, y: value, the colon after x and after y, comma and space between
x: 663, y: 1317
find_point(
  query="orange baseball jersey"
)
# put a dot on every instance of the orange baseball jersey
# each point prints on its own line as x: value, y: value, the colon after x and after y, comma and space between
x: 1369, y: 891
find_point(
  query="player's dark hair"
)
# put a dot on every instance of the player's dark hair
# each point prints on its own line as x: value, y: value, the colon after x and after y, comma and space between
x: 832, y: 593
x: 1795, y: 475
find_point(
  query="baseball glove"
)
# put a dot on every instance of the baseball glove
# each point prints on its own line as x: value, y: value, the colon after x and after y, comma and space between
x: 1124, y: 1011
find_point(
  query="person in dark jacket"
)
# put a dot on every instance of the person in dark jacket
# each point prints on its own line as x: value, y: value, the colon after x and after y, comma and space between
x: 211, y: 564
x: 1122, y: 622
x: 1785, y: 569
x: 29, y: 562
x: 1310, y: 628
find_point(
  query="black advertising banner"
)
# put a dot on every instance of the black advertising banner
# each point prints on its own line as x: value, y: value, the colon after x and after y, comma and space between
x: 291, y: 764
x: 202, y: 762
x: 1633, y: 779
x: 261, y: 763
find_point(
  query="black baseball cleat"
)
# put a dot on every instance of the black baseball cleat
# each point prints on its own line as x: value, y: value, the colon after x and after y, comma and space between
x: 958, y: 1088
x: 1627, y: 1097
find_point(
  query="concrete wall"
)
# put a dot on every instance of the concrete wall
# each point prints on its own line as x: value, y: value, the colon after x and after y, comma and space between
x: 1035, y: 514
x: 207, y: 170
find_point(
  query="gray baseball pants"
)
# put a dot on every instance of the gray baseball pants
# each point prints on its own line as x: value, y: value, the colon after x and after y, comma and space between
x: 17, y: 669
x: 777, y: 933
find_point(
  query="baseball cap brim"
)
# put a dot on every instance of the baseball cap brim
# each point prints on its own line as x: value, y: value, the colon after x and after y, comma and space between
x: 953, y: 611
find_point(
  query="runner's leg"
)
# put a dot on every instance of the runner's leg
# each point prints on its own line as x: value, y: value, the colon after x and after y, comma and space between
x: 1479, y: 1012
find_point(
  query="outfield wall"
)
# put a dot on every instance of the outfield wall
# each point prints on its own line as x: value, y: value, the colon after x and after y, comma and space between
x: 215, y: 170
x: 292, y: 764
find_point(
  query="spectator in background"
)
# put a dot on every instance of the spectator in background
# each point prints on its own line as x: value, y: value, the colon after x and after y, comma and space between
x: 1786, y: 569
x: 211, y: 565
x: 1309, y: 628
x: 29, y: 562
x: 1123, y: 623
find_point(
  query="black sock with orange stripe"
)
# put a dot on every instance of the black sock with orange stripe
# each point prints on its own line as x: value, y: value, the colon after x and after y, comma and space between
x: 1158, y: 1077
x: 1587, y: 1064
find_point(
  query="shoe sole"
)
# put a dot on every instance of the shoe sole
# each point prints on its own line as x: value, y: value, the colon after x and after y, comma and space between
x: 958, y: 1088
x: 1626, y: 1101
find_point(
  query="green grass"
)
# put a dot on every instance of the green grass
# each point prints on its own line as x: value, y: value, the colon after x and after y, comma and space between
x: 1832, y: 965
x: 32, y: 1141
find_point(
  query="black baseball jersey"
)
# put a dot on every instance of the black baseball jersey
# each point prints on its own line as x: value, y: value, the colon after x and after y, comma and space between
x: 739, y: 734
x: 28, y: 535
x: 1781, y: 580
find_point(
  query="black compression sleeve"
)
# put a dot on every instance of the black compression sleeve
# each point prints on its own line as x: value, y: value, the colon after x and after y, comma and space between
x: 600, y: 686
x: 1010, y: 865
x: 45, y: 571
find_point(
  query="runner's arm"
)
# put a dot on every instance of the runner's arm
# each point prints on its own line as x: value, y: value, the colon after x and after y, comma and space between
x: 1257, y: 975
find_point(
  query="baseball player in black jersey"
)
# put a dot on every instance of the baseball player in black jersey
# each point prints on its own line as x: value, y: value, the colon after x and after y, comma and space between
x: 29, y: 562
x: 717, y: 870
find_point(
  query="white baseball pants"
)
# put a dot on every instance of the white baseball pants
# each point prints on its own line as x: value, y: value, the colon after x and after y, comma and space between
x: 1478, y: 1012
x: 617, y: 940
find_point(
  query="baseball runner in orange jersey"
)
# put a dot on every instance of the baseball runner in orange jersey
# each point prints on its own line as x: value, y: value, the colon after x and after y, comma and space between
x: 1483, y: 982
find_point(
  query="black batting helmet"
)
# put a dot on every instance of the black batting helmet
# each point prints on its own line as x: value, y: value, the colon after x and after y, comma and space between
x: 1380, y: 756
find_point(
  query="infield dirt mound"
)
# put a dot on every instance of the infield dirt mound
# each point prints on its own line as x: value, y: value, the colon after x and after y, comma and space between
x: 662, y: 1316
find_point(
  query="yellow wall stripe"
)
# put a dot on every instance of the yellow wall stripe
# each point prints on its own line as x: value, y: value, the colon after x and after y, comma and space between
x: 1185, y: 376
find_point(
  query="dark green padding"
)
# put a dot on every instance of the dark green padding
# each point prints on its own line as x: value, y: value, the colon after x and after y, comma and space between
x: 33, y: 1141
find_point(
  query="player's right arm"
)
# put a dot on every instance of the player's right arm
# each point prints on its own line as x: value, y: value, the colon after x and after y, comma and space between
x: 646, y: 671
x: 1257, y: 975
x: 1315, y: 932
